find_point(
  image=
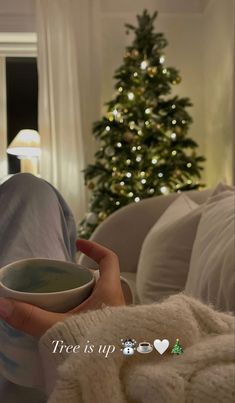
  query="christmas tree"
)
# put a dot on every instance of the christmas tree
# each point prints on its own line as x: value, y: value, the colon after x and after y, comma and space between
x: 177, y: 349
x: 144, y: 149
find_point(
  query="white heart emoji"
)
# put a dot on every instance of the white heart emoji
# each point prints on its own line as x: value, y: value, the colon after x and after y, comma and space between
x: 161, y: 345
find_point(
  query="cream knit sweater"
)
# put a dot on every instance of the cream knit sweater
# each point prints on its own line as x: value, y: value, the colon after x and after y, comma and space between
x: 205, y: 372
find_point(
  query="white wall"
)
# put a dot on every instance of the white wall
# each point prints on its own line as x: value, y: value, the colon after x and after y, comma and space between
x: 17, y: 15
x: 219, y: 90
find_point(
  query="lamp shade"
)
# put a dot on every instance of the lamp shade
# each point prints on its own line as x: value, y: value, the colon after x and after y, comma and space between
x: 25, y: 144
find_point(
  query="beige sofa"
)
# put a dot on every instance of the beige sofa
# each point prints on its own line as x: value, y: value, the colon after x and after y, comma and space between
x: 125, y: 230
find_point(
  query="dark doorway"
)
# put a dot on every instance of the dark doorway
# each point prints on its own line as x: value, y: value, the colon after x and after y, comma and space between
x: 22, y: 100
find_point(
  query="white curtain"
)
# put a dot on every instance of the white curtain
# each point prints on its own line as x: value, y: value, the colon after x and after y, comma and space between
x: 67, y: 104
x: 3, y: 121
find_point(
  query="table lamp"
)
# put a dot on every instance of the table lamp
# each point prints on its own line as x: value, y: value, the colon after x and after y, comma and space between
x: 26, y: 146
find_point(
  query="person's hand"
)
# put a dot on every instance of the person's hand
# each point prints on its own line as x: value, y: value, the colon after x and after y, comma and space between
x: 36, y: 321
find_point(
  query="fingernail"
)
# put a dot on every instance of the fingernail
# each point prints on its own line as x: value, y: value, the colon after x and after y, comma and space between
x: 5, y: 308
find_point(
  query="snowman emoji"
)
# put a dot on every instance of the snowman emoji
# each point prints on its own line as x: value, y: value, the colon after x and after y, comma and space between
x: 129, y: 346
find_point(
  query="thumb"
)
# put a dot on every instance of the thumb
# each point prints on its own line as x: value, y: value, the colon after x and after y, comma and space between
x: 28, y: 318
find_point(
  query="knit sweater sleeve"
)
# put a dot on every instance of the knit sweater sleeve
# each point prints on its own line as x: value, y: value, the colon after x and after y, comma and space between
x: 178, y: 317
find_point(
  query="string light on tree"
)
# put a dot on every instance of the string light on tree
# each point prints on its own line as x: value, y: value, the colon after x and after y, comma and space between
x: 137, y: 132
x: 164, y: 190
x: 131, y: 96
x: 144, y: 65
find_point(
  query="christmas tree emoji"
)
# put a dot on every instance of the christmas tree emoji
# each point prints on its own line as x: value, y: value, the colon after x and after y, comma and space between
x: 177, y: 349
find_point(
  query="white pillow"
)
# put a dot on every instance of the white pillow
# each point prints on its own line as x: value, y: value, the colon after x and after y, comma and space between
x: 212, y: 268
x: 165, y: 255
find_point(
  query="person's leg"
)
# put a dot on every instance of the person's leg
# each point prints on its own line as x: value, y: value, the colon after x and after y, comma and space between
x: 35, y: 221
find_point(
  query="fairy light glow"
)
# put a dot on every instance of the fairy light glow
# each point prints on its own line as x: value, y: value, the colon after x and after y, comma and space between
x: 144, y: 65
x: 163, y: 189
x: 131, y: 96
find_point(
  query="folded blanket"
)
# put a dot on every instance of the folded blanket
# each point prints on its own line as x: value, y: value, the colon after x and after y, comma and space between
x: 203, y: 373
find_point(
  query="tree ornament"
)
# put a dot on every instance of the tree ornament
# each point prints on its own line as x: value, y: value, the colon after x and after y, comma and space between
x: 110, y: 116
x: 116, y: 187
x: 135, y: 53
x: 177, y: 80
x: 109, y: 151
x: 178, y: 129
x: 177, y: 349
x: 102, y: 215
x: 91, y: 185
x: 152, y: 71
x: 128, y: 136
x: 116, y: 174
x: 127, y: 55
x: 91, y: 218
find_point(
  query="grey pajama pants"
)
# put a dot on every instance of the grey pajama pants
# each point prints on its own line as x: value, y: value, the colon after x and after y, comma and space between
x: 35, y: 221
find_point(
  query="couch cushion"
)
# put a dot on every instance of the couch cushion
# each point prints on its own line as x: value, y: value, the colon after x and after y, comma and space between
x: 212, y: 268
x: 131, y: 279
x: 166, y: 251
